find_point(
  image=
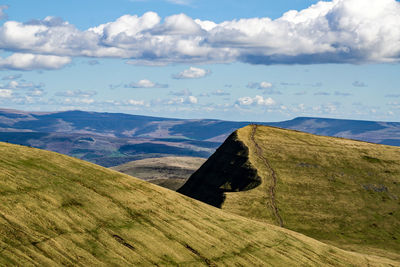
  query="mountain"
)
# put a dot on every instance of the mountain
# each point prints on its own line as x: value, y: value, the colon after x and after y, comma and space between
x: 387, y: 133
x: 168, y: 172
x: 339, y: 191
x: 111, y: 139
x: 107, y: 139
x: 56, y: 210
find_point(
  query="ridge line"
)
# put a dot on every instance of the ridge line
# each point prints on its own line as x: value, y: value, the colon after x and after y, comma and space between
x: 273, y: 174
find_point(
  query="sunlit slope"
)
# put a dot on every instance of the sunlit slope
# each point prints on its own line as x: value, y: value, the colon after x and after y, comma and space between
x: 336, y: 190
x: 168, y: 172
x: 57, y: 210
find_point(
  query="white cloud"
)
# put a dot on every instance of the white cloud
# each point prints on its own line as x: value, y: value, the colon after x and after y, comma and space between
x: 260, y: 85
x: 135, y: 102
x: 35, y: 92
x: 192, y: 73
x: 192, y: 99
x: 75, y: 101
x: 145, y: 84
x: 257, y: 100
x: 183, y: 100
x: 5, y: 93
x: 77, y: 93
x: 21, y: 85
x: 19, y: 61
x: 339, y: 31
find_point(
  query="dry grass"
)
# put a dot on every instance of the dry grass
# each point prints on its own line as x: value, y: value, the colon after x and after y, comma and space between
x: 168, y: 172
x: 57, y: 210
x: 339, y: 191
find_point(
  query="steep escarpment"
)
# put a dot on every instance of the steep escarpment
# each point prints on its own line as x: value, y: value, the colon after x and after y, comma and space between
x: 227, y: 170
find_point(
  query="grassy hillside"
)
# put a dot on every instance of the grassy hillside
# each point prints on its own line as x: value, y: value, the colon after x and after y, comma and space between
x: 339, y: 191
x: 57, y: 210
x: 168, y: 172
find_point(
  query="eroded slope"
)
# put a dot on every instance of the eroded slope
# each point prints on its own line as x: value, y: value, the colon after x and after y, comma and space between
x: 227, y: 170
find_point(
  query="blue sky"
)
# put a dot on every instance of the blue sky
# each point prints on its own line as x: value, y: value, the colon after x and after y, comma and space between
x: 234, y: 60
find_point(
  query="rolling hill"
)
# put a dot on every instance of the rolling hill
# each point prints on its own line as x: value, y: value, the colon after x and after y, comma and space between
x: 168, y: 172
x: 57, y: 210
x: 111, y: 139
x: 339, y: 191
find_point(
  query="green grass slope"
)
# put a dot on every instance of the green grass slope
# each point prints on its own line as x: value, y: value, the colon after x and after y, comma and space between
x: 338, y: 191
x: 168, y: 172
x: 57, y: 210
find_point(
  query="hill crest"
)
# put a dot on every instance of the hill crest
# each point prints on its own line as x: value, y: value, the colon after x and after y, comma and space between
x: 341, y: 191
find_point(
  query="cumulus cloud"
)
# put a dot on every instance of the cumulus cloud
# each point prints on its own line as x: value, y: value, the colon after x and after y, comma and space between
x: 20, y: 61
x: 134, y: 102
x: 77, y: 93
x: 192, y: 99
x: 192, y: 73
x: 260, y: 85
x: 35, y: 92
x: 78, y: 101
x: 257, y: 100
x: 145, y: 84
x: 338, y: 31
x: 5, y: 93
x: 18, y: 85
x: 183, y: 100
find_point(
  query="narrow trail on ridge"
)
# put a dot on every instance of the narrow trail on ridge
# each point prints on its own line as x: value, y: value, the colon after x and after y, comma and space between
x: 273, y: 174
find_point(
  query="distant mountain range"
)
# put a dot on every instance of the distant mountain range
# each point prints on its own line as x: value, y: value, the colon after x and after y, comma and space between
x: 110, y: 139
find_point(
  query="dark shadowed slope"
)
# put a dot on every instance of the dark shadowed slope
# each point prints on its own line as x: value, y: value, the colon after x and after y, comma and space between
x: 340, y: 191
x: 227, y: 170
x: 56, y: 210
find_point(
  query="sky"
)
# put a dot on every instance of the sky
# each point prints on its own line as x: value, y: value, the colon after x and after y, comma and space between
x: 253, y: 60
